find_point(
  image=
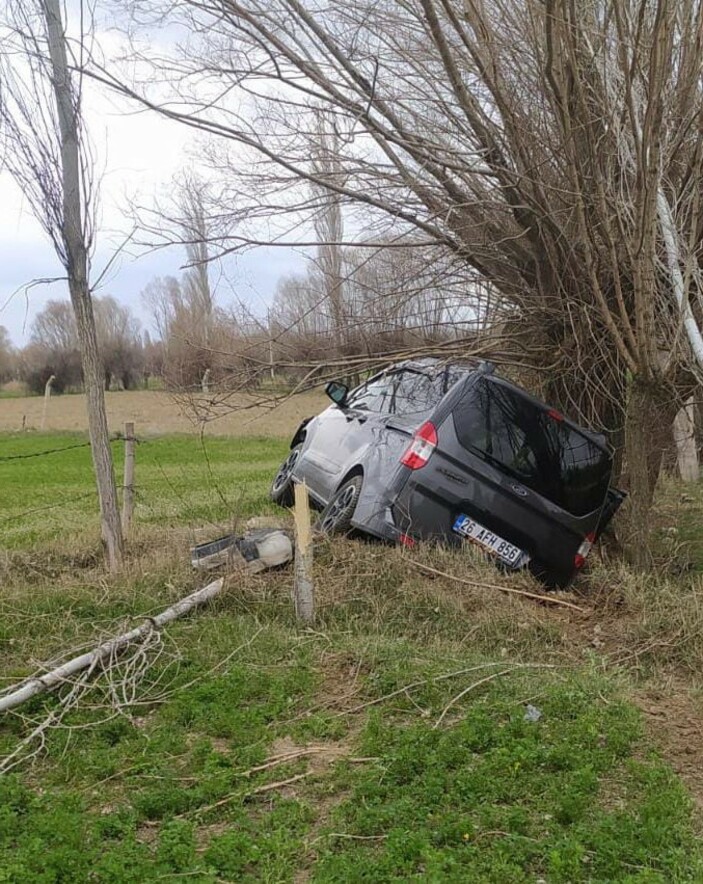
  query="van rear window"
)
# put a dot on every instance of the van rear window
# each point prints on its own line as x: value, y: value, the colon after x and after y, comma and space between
x: 542, y: 452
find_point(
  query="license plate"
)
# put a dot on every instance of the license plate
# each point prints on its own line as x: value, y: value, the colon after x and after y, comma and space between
x: 491, y: 542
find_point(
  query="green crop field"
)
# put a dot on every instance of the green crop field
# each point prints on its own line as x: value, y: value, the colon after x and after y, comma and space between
x: 387, y: 743
x: 179, y: 480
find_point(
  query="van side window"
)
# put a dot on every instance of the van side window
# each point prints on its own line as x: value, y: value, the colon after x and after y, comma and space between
x: 371, y: 395
x: 415, y: 392
x: 404, y: 392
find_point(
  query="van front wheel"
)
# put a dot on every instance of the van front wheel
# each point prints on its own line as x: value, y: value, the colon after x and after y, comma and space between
x: 282, y: 491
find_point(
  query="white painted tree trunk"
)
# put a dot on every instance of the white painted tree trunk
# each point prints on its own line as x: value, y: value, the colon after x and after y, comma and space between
x: 673, y: 259
x: 47, y: 397
x: 685, y: 439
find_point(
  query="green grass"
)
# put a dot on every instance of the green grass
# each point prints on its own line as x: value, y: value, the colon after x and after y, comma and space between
x: 677, y: 533
x: 485, y: 797
x: 197, y: 778
x: 15, y: 394
x: 180, y: 480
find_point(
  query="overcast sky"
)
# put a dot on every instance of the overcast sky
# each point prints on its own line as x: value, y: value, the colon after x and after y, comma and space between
x: 139, y: 153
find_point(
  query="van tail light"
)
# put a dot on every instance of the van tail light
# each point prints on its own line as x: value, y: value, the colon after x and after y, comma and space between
x: 555, y: 415
x: 420, y: 449
x: 583, y: 550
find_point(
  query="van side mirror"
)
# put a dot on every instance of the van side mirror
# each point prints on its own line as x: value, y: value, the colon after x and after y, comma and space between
x: 337, y: 392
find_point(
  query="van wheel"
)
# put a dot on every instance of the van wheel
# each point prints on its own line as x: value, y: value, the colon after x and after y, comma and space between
x: 337, y: 516
x: 282, y: 491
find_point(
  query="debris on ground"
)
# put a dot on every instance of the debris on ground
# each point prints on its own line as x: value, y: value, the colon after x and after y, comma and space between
x: 256, y: 550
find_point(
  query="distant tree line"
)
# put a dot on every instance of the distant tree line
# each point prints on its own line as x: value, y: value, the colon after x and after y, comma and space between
x: 53, y: 349
x: 387, y: 300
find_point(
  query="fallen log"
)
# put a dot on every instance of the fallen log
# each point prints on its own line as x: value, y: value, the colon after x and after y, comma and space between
x: 38, y: 684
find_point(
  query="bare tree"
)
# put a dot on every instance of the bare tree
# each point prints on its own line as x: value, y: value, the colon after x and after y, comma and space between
x: 195, y: 228
x: 329, y: 224
x: 54, y: 327
x: 554, y: 148
x: 185, y: 330
x: 45, y: 150
x: 53, y: 349
x: 119, y: 341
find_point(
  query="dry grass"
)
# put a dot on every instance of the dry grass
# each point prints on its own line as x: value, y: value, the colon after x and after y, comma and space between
x: 156, y: 412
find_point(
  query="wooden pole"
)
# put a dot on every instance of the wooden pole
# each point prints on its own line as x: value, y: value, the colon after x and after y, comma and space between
x: 303, y: 586
x: 128, y: 496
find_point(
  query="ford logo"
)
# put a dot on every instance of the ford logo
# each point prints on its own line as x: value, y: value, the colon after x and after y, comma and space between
x: 518, y: 489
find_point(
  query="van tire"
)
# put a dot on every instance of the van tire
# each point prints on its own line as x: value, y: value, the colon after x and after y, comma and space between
x: 282, y: 490
x: 336, y: 517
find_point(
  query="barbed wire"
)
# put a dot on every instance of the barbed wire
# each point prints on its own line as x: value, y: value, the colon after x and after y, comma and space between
x: 119, y: 437
x: 7, y: 457
x: 50, y: 506
x: 160, y: 499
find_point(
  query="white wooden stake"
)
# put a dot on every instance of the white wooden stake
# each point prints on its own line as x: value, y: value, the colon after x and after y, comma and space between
x: 128, y: 486
x: 303, y: 586
x: 47, y: 396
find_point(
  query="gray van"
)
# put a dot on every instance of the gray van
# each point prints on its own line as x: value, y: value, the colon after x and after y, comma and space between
x: 426, y: 450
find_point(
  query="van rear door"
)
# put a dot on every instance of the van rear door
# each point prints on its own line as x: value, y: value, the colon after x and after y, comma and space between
x: 517, y: 468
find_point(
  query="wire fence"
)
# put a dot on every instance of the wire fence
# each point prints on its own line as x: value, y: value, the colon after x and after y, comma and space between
x: 178, y: 481
x: 25, y: 456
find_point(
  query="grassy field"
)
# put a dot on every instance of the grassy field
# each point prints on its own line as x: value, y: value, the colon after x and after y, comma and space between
x: 157, y: 412
x: 389, y: 743
x: 180, y: 480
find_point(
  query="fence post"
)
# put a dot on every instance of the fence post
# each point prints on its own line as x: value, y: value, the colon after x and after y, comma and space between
x: 47, y: 396
x: 128, y: 486
x: 303, y: 587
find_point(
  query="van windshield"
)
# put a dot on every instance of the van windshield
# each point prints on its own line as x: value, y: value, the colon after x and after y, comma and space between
x: 541, y: 451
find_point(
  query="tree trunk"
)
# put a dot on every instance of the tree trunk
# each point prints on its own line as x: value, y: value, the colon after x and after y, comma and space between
x: 97, y: 423
x: 650, y: 414
x: 74, y: 231
x: 685, y: 439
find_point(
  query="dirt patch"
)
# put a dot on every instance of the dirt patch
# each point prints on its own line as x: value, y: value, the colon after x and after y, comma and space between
x: 674, y: 720
x: 157, y: 412
x: 318, y: 757
x: 147, y: 833
x: 206, y: 832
